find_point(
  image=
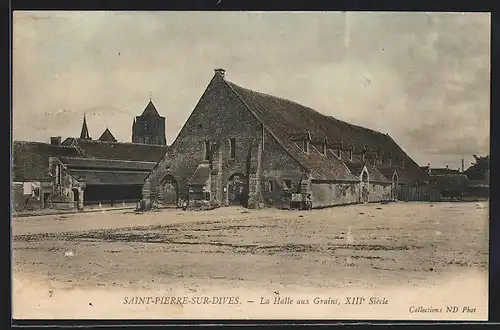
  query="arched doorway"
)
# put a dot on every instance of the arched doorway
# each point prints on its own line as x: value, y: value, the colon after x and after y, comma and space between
x: 394, y: 187
x: 364, y: 186
x: 237, y: 190
x: 170, y: 190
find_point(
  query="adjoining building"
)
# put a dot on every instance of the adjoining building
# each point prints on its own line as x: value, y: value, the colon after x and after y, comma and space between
x: 244, y: 147
x: 455, y: 183
x: 31, y: 180
x: 81, y: 171
x: 77, y: 182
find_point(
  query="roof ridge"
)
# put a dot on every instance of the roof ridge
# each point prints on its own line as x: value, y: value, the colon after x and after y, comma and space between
x: 42, y: 143
x: 341, y: 160
x: 307, y: 107
x: 127, y: 143
x: 107, y: 160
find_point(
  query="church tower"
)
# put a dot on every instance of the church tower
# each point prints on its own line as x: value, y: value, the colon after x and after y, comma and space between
x: 84, y: 135
x: 149, y: 127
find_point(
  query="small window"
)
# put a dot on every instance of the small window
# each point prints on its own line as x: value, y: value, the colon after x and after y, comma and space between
x: 323, y: 149
x: 207, y: 150
x: 350, y: 154
x: 232, y: 144
x: 339, y: 154
x: 145, y: 127
x: 288, y: 183
x: 270, y: 185
x: 338, y: 191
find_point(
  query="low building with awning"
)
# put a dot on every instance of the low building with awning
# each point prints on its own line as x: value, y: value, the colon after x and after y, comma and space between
x: 84, y: 181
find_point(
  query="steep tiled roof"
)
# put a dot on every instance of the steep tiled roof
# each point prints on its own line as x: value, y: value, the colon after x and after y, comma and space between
x: 355, y: 168
x: 107, y: 136
x: 449, y: 178
x: 121, y: 151
x: 150, y: 110
x: 375, y: 175
x: 450, y: 181
x: 285, y: 119
x: 443, y: 171
x: 388, y: 172
x: 403, y: 176
x: 30, y: 160
x: 107, y: 172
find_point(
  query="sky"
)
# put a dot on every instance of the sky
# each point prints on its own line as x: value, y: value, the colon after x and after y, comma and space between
x: 424, y: 78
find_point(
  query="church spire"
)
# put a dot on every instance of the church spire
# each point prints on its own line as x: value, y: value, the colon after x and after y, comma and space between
x: 85, y: 132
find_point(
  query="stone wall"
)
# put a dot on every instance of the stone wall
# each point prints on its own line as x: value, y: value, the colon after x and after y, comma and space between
x: 62, y: 195
x: 218, y: 117
x: 326, y: 194
x: 277, y: 166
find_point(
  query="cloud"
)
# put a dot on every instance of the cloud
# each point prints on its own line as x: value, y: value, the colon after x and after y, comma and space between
x: 421, y: 77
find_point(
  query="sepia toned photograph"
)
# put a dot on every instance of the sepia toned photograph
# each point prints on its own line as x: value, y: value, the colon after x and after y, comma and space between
x: 250, y: 165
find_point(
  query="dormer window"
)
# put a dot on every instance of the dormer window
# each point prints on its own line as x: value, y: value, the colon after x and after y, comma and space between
x: 207, y: 150
x: 305, y: 145
x: 232, y: 146
x: 323, y: 148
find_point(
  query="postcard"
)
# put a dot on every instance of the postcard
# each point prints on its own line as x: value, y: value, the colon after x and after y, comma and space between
x: 250, y: 165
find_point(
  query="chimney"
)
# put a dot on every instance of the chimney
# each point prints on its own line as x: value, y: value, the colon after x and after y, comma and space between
x: 447, y: 166
x: 55, y: 140
x: 220, y: 72
x: 429, y: 168
x: 462, y: 164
